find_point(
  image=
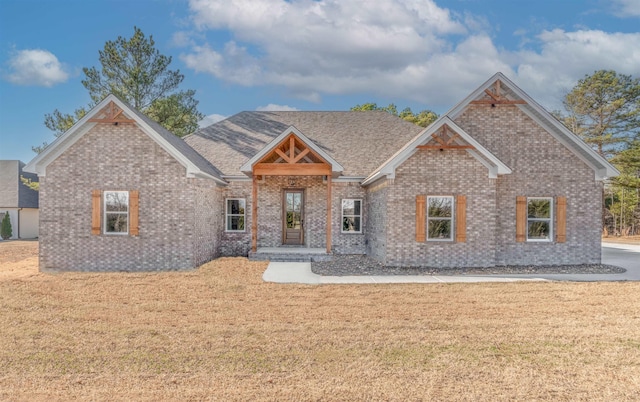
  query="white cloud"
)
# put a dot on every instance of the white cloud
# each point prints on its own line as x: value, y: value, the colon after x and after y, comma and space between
x: 626, y: 8
x: 36, y: 67
x: 566, y: 57
x: 276, y: 108
x: 410, y: 49
x: 182, y: 39
x: 210, y: 119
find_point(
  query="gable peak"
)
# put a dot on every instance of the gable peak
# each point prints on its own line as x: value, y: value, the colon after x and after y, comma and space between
x: 111, y: 113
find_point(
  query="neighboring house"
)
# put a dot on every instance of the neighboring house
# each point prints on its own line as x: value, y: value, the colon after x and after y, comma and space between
x: 496, y: 180
x: 20, y: 201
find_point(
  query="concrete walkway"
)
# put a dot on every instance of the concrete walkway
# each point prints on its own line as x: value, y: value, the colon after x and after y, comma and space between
x: 622, y: 255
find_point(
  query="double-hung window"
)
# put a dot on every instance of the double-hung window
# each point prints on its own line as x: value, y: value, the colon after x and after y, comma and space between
x: 539, y: 218
x: 351, y: 215
x: 439, y: 218
x: 235, y: 214
x: 116, y: 212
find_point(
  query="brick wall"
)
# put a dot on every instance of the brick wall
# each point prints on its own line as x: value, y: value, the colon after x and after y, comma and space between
x: 541, y: 167
x: 208, y: 221
x: 376, y: 223
x: 445, y: 173
x: 270, y: 199
x: 270, y: 193
x: 123, y: 158
x: 236, y: 243
x: 347, y: 243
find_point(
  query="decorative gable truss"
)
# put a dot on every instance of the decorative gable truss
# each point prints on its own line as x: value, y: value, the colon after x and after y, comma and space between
x: 111, y: 114
x: 499, y: 90
x: 494, y: 95
x: 445, y: 138
x: 292, y: 157
x: 112, y: 110
x: 441, y: 134
x: 291, y: 154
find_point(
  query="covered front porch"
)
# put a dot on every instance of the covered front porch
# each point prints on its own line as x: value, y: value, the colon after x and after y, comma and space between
x: 291, y: 196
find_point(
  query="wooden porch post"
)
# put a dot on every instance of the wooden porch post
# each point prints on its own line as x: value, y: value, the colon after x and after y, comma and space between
x: 254, y: 214
x: 329, y: 213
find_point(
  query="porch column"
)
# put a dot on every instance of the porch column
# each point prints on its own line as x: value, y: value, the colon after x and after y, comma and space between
x: 329, y: 213
x: 254, y: 213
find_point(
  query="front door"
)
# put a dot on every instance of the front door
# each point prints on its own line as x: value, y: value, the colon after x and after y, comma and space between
x: 293, y: 217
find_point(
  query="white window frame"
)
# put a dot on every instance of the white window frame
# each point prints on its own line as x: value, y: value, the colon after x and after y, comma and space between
x: 227, y: 214
x: 549, y: 219
x: 342, y: 215
x: 451, y: 219
x: 106, y: 213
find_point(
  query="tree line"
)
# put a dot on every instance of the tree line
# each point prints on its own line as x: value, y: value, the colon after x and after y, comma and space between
x: 604, y: 110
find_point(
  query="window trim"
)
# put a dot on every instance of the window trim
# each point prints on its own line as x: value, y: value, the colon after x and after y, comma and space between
x: 227, y: 214
x: 451, y: 219
x: 342, y: 216
x: 550, y: 219
x: 106, y: 213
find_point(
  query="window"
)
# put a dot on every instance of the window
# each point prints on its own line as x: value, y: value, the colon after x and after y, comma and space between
x: 351, y: 216
x: 235, y: 214
x: 116, y: 212
x: 539, y: 219
x: 439, y: 218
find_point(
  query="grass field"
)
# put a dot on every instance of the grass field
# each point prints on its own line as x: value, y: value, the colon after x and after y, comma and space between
x: 220, y: 333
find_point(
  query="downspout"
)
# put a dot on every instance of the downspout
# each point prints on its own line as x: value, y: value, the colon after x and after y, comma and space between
x: 18, y: 230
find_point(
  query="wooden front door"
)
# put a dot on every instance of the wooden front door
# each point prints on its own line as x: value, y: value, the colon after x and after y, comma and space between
x: 293, y: 217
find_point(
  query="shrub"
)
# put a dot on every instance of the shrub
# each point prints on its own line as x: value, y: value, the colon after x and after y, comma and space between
x: 5, y: 230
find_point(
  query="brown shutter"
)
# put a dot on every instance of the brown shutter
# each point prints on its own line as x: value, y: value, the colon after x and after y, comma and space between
x: 133, y: 212
x: 521, y: 218
x: 96, y: 198
x: 461, y: 219
x: 421, y: 232
x: 561, y: 219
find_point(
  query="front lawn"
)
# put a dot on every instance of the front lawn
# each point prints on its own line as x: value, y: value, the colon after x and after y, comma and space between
x: 220, y: 333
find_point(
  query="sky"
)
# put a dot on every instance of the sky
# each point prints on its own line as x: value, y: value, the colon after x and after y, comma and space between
x: 310, y: 54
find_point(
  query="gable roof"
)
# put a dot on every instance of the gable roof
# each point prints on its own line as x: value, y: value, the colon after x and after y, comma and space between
x: 247, y: 168
x: 388, y: 168
x: 14, y: 194
x: 358, y: 141
x: 540, y: 115
x: 195, y: 164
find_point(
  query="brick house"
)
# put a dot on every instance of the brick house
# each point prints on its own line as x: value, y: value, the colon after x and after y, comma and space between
x: 496, y: 180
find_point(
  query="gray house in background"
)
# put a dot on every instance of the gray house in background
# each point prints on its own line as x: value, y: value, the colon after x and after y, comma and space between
x: 496, y: 180
x: 18, y: 200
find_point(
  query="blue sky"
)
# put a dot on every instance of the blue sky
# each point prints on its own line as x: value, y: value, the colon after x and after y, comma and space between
x: 310, y: 54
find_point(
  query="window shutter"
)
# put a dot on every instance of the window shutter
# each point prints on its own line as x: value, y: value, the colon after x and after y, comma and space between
x: 561, y: 219
x: 133, y: 212
x: 421, y: 220
x: 461, y: 219
x: 521, y: 218
x: 96, y: 198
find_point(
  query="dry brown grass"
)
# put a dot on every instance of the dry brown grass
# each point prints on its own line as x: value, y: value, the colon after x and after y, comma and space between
x: 220, y: 333
x: 622, y: 239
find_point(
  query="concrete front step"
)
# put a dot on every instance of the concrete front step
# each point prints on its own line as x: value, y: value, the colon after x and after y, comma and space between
x: 290, y: 254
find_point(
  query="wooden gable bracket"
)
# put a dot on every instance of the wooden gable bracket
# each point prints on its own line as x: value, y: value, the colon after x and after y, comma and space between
x: 291, y: 162
x: 495, y: 98
x: 444, y: 140
x: 112, y: 114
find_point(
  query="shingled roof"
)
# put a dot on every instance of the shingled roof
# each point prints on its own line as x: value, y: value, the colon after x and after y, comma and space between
x: 359, y: 141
